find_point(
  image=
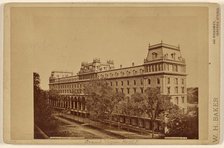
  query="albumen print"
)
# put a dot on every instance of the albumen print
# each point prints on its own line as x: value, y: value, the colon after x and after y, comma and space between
x: 111, y: 72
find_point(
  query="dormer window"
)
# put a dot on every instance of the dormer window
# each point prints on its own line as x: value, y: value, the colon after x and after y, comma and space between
x: 154, y: 55
x: 127, y: 72
x: 141, y: 71
x: 173, y: 55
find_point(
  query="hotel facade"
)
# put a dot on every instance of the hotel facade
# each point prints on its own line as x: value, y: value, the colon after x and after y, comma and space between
x: 163, y: 68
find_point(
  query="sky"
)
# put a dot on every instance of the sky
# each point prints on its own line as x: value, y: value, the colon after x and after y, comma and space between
x: 60, y: 38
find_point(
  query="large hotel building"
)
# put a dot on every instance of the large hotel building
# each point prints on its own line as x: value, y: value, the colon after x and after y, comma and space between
x: 164, y: 68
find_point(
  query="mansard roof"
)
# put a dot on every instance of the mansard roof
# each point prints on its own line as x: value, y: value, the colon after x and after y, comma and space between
x: 164, y: 45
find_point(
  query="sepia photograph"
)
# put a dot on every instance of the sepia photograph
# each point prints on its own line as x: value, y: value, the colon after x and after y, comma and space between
x: 116, y: 73
x: 110, y: 71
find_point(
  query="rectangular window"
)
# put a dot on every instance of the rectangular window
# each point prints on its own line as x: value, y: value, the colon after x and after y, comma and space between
x: 116, y: 83
x: 122, y: 83
x: 111, y: 83
x: 182, y: 99
x: 182, y: 89
x: 168, y: 80
x: 127, y: 82
x: 161, y: 66
x: 146, y: 69
x: 134, y: 90
x: 134, y: 82
x: 149, y: 81
x: 128, y: 90
x: 122, y: 90
x: 176, y: 80
x: 158, y: 81
x: 142, y: 90
x: 182, y: 81
x: 168, y: 90
x: 176, y: 89
x: 141, y: 82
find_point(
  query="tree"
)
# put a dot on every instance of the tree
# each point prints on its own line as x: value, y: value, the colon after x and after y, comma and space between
x: 182, y: 125
x: 112, y: 102
x: 102, y: 100
x: 53, y: 95
x: 124, y: 107
x: 42, y: 110
x: 156, y: 105
x: 96, y: 91
x: 137, y: 104
x: 36, y: 86
x: 192, y: 95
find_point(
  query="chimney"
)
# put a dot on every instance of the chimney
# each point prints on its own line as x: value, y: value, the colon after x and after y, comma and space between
x: 120, y: 66
x: 133, y: 64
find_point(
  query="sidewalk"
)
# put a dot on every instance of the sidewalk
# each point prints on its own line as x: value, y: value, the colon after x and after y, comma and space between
x: 109, y: 130
x: 79, y: 129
